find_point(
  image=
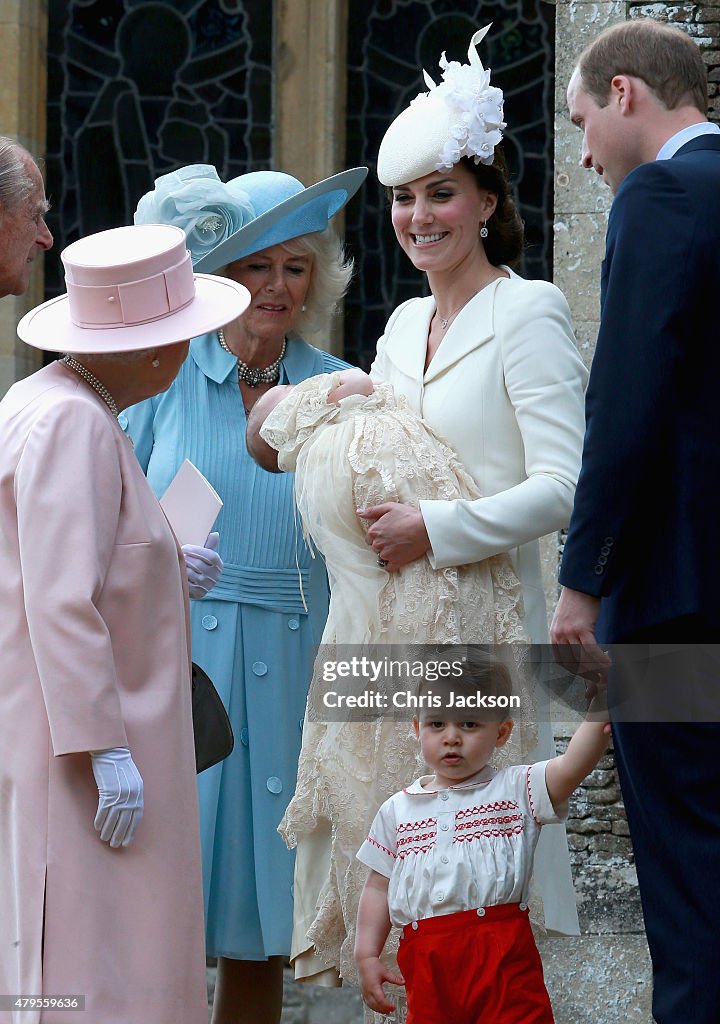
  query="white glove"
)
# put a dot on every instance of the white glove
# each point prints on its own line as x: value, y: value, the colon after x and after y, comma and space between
x: 120, y: 787
x: 203, y: 566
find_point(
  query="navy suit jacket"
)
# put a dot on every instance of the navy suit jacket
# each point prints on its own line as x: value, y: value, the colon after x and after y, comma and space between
x: 645, y: 528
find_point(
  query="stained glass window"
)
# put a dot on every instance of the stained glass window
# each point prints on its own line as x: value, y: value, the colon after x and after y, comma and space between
x: 138, y: 88
x: 389, y: 42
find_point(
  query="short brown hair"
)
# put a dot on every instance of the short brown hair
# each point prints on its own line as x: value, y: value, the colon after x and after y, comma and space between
x: 665, y: 58
x: 485, y: 669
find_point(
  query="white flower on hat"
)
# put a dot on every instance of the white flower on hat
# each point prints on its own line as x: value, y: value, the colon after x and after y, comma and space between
x: 476, y: 108
x: 460, y: 116
x: 195, y: 199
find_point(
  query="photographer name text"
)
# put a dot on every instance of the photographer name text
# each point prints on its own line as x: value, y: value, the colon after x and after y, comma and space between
x: 407, y: 699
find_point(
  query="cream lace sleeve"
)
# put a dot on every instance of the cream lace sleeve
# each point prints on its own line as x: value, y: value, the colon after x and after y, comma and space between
x: 295, y: 419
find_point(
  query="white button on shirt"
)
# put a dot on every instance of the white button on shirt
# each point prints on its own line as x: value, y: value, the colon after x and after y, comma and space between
x: 462, y: 848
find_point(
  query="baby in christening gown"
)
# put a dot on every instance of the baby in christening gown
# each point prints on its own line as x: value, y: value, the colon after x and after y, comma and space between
x: 353, y: 444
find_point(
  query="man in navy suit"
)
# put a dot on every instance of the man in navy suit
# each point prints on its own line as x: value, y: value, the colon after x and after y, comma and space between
x: 642, y: 560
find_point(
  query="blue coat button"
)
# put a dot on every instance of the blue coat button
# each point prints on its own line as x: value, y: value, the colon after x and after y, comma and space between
x: 209, y: 622
x: 599, y: 570
x: 293, y: 624
x: 260, y: 668
x: 274, y: 784
x: 244, y: 737
x: 602, y: 560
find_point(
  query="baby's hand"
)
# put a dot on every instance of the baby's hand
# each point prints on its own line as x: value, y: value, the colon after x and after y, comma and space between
x: 373, y: 972
x: 353, y: 381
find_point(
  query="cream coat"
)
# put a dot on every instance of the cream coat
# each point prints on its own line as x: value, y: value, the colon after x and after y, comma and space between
x: 94, y: 641
x: 505, y: 390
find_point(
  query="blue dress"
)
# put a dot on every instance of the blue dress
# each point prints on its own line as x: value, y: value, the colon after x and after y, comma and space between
x: 251, y: 634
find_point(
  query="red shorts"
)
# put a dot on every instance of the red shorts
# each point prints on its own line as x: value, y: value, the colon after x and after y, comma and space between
x: 466, y: 968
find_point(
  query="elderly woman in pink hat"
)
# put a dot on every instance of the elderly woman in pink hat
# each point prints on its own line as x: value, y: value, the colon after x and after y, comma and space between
x: 100, y: 882
x: 255, y: 633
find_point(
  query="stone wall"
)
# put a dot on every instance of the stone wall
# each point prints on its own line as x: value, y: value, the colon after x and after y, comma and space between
x: 601, y: 853
x: 604, y: 975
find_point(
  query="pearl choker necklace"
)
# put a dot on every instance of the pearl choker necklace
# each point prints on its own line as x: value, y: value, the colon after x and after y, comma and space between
x: 95, y: 384
x: 250, y: 374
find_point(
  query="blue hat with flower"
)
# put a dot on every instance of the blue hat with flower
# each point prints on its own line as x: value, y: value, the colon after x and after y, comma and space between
x: 225, y: 221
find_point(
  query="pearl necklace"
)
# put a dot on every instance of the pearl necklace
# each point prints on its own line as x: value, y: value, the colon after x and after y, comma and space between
x: 95, y: 384
x: 250, y: 374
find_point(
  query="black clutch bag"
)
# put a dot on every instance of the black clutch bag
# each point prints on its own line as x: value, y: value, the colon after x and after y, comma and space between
x: 214, y: 738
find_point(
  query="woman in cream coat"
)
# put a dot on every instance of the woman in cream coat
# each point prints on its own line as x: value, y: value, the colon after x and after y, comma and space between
x: 100, y: 880
x: 490, y: 363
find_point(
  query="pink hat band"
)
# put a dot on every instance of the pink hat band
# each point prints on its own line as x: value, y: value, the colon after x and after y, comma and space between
x: 131, y: 292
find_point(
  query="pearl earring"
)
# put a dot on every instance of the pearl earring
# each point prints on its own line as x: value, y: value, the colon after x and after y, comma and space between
x: 484, y: 230
x: 303, y: 307
x: 156, y: 363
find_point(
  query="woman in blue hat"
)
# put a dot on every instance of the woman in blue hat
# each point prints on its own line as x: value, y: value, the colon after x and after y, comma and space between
x: 254, y: 634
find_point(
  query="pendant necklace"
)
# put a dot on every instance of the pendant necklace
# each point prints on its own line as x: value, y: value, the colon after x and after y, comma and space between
x: 445, y: 320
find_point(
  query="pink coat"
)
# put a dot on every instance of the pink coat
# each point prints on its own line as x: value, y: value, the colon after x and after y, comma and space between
x: 94, y: 653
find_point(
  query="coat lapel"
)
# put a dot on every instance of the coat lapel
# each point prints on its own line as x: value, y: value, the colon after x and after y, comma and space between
x: 470, y: 329
x: 408, y: 339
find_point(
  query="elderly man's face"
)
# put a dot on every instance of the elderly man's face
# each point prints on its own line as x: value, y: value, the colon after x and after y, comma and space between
x: 23, y: 234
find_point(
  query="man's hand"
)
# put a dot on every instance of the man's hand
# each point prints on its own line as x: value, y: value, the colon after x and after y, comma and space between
x: 572, y: 635
x: 397, y: 534
x: 372, y: 972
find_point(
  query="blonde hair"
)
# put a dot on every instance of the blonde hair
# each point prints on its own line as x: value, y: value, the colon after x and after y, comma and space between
x: 329, y: 278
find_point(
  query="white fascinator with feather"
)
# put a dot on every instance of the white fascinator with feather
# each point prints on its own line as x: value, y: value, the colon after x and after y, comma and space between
x: 462, y: 115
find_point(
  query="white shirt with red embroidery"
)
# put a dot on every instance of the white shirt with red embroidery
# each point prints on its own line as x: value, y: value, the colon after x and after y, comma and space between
x: 461, y: 848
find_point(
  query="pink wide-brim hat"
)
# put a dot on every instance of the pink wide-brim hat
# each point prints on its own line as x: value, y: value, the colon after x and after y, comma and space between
x: 131, y: 288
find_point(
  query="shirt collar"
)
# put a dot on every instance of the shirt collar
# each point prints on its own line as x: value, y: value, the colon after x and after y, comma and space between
x: 218, y: 365
x: 418, y: 788
x: 214, y: 361
x: 676, y: 141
